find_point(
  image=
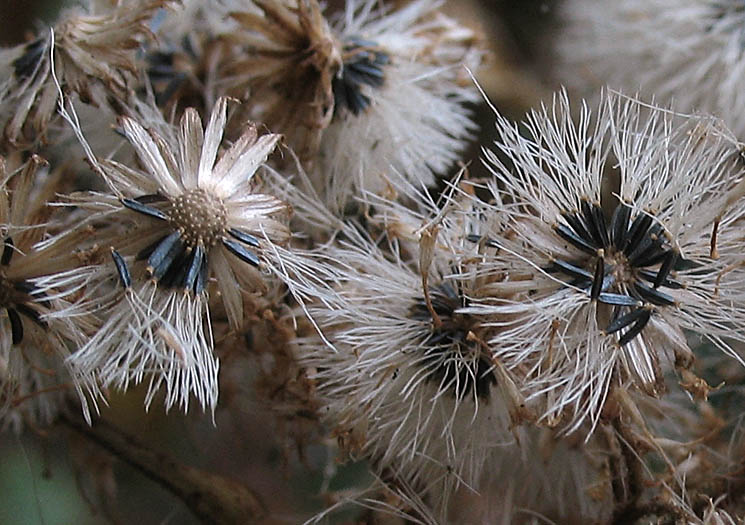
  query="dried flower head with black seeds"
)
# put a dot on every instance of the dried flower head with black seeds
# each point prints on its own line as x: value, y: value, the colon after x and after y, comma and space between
x: 181, y: 65
x: 405, y: 378
x: 450, y: 343
x: 41, y: 294
x: 373, y: 93
x: 604, y: 286
x: 400, y: 99
x: 90, y: 52
x: 191, y: 215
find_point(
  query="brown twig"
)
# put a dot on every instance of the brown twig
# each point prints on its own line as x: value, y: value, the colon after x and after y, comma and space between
x: 627, y: 472
x: 212, y: 498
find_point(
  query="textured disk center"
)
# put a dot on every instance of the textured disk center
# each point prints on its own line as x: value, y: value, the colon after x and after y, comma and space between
x: 201, y: 217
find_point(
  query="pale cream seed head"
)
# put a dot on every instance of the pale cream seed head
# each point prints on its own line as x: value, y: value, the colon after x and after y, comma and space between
x: 200, y: 217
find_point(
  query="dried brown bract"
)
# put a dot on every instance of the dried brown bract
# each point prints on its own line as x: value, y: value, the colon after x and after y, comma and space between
x: 89, y: 53
x: 286, y: 60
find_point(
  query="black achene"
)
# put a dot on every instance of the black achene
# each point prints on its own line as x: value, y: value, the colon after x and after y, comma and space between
x: 363, y: 63
x: 16, y: 296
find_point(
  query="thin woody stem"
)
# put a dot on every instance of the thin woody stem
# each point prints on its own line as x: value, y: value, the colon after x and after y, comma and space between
x: 212, y: 498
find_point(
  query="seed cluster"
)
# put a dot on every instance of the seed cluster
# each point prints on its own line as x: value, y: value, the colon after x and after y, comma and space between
x: 626, y: 264
x: 14, y: 296
x: 197, y: 221
x: 24, y: 65
x: 456, y: 361
x: 363, y: 64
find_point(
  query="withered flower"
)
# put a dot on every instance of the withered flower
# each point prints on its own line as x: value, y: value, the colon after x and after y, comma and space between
x: 87, y: 52
x: 192, y: 216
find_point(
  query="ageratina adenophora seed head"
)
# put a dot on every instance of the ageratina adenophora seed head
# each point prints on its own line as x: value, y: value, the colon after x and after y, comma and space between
x: 626, y: 263
x: 601, y: 295
x: 404, y: 378
x: 196, y: 215
x: 450, y: 355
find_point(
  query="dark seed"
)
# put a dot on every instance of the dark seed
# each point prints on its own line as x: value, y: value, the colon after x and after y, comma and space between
x: 175, y: 273
x: 144, y: 209
x: 371, y: 74
x: 579, y: 228
x: 241, y: 252
x: 150, y: 198
x: 654, y: 258
x: 484, y: 378
x: 491, y: 243
x: 31, y: 314
x: 651, y: 276
x: 570, y: 269
x: 8, y: 250
x: 637, y: 328
x: 653, y: 296
x: 569, y: 236
x: 597, y: 281
x: 618, y: 299
x: 649, y: 246
x: 682, y: 264
x: 244, y: 237
x: 16, y: 326
x: 582, y: 284
x: 121, y: 268
x: 608, y: 281
x: 636, y: 233
x: 194, y: 266
x: 166, y: 252
x: 149, y: 249
x: 619, y: 225
x: 201, y: 281
x: 598, y: 222
x: 625, y: 320
x: 665, y: 268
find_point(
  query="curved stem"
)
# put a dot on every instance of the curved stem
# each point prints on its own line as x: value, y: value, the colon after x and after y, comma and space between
x: 212, y: 498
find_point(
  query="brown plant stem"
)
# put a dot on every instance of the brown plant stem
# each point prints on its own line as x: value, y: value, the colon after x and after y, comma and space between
x: 627, y: 473
x: 212, y: 498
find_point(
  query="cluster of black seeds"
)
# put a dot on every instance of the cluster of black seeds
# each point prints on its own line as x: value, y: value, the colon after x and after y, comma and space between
x: 454, y: 360
x: 363, y: 65
x: 16, y: 295
x: 175, y: 260
x: 626, y: 265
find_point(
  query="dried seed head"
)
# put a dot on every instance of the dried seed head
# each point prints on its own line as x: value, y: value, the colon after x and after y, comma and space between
x: 626, y: 263
x: 453, y: 359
